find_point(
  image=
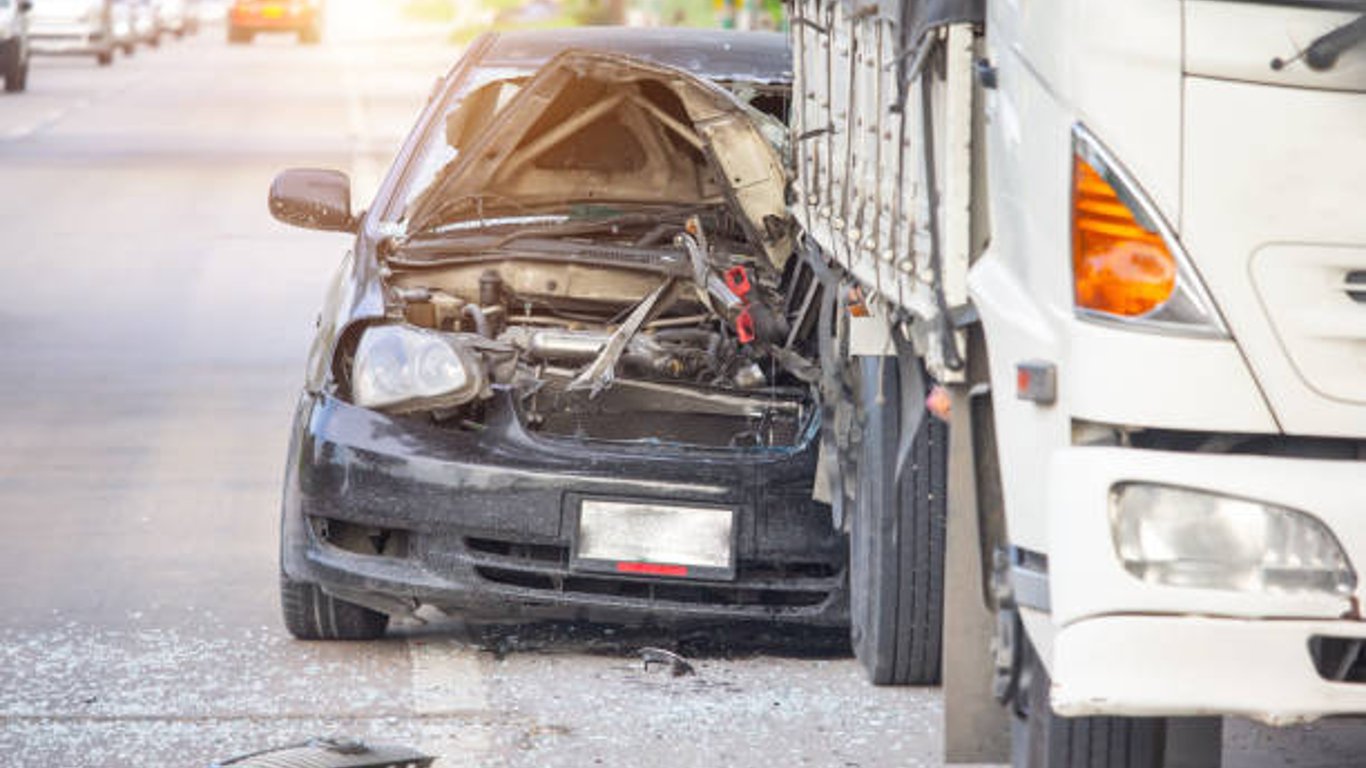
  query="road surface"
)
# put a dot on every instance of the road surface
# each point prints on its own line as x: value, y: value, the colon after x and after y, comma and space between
x: 153, y: 325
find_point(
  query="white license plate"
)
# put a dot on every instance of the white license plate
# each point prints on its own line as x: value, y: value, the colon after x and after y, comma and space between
x: 645, y: 539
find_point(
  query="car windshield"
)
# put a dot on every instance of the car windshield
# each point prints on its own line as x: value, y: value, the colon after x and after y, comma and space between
x: 481, y: 94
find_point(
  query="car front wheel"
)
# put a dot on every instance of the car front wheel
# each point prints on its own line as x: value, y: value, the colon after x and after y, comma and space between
x: 312, y: 614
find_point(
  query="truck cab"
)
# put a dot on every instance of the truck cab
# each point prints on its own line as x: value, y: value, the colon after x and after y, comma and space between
x: 1177, y: 243
x: 1128, y: 236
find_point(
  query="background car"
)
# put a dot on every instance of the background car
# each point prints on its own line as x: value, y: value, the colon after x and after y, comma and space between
x: 146, y: 22
x: 304, y: 18
x: 173, y: 17
x: 79, y: 27
x: 14, y: 51
x: 532, y: 393
x: 122, y: 24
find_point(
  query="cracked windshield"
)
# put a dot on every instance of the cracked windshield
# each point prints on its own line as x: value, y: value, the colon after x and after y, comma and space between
x: 743, y: 383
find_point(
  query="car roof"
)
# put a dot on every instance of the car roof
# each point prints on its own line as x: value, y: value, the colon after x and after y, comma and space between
x: 715, y: 54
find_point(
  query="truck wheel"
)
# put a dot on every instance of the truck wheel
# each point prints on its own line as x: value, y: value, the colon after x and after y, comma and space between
x: 310, y: 35
x: 1042, y: 739
x: 105, y: 58
x: 238, y: 36
x: 896, y: 537
x: 311, y: 614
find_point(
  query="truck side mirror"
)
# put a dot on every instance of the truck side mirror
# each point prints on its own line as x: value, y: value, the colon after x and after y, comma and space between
x: 313, y: 198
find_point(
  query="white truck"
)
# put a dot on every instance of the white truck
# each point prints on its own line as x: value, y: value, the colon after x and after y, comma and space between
x: 1118, y: 247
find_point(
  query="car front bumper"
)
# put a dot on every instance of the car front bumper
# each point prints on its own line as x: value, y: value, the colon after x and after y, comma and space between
x: 487, y: 518
x: 1124, y: 646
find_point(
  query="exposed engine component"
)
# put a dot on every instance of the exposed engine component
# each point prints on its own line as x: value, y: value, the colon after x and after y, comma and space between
x: 617, y: 337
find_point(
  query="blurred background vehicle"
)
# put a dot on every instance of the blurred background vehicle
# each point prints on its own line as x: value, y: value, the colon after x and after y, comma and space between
x: 302, y: 17
x: 73, y: 27
x: 121, y: 27
x: 146, y: 22
x: 212, y: 11
x: 191, y: 16
x: 172, y: 15
x: 14, y: 53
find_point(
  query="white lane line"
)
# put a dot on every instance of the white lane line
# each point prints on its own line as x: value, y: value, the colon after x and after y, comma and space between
x: 448, y: 676
x: 46, y: 120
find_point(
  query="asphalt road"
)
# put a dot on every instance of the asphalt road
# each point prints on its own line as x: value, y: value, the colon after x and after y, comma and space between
x: 153, y: 325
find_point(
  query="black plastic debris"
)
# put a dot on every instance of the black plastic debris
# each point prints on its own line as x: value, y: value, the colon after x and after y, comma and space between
x: 678, y: 666
x: 331, y: 753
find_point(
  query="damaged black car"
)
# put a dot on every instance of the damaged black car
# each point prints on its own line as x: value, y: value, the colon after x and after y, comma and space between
x: 567, y: 369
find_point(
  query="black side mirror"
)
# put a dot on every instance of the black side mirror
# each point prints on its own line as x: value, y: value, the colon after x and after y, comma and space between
x: 25, y: 6
x: 313, y: 198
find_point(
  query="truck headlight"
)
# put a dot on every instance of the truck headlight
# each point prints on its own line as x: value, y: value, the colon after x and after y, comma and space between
x: 403, y: 368
x: 1187, y: 538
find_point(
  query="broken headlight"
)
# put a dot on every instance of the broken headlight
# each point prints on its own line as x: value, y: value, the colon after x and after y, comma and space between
x: 401, y: 368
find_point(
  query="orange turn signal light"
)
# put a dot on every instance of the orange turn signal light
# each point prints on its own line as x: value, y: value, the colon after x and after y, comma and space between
x: 1120, y: 266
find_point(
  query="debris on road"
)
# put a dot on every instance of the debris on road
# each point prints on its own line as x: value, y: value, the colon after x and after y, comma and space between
x: 678, y: 666
x: 331, y: 753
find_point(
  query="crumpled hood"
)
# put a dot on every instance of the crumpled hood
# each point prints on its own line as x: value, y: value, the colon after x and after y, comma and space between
x: 596, y: 128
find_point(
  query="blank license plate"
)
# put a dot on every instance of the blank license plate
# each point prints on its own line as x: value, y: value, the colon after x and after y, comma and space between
x: 641, y: 538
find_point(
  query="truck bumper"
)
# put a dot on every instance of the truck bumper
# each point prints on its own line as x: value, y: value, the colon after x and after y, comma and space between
x: 1195, y: 665
x: 1125, y: 646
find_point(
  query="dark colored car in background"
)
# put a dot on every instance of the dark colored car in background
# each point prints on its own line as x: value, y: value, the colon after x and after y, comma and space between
x: 14, y: 49
x: 565, y: 370
x: 247, y: 18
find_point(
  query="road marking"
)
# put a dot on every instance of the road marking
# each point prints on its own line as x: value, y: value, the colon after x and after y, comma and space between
x: 449, y: 677
x: 45, y: 121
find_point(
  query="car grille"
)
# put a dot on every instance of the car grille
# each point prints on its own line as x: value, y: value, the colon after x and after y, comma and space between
x: 774, y: 584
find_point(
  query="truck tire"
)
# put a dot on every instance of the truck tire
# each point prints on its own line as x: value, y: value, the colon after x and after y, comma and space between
x: 311, y: 614
x: 1042, y: 739
x: 896, y: 537
x: 238, y: 36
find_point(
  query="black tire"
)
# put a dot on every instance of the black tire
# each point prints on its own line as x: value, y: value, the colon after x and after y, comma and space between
x: 129, y: 49
x: 239, y: 36
x: 105, y: 58
x: 896, y: 537
x: 14, y: 68
x: 311, y: 614
x: 1042, y: 739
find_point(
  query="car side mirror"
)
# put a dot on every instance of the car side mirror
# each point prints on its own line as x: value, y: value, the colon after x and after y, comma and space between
x: 25, y: 6
x: 313, y: 198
